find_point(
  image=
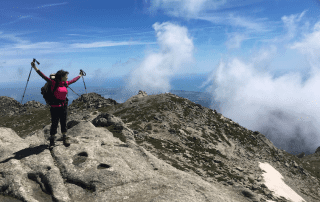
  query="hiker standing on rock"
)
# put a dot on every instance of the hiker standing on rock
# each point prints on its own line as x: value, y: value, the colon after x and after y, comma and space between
x: 59, y: 102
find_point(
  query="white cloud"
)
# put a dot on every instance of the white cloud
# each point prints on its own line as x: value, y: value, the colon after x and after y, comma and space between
x: 182, y: 8
x: 310, y: 47
x: 283, y: 108
x: 16, y: 55
x: 175, y: 54
x: 12, y: 37
x: 47, y: 5
x: 198, y: 9
x: 235, y: 40
x: 58, y: 4
x: 257, y: 101
x: 107, y: 44
x: 264, y: 56
x: 246, y: 23
x: 252, y: 25
x: 193, y: 6
x: 291, y: 24
x: 40, y: 45
x: 57, y: 47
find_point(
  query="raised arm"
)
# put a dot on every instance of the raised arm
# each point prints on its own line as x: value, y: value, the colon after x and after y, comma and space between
x: 74, y: 80
x: 39, y: 72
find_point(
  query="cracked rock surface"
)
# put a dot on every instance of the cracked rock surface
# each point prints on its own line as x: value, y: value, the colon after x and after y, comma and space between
x: 96, y: 167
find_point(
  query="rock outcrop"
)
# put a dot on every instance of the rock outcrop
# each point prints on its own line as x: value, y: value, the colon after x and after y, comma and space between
x: 301, y: 155
x: 96, y: 167
x: 150, y: 148
x: 136, y: 97
x: 9, y: 106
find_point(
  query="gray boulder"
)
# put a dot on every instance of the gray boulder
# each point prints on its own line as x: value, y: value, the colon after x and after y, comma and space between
x: 136, y: 97
x: 106, y: 119
x: 301, y: 155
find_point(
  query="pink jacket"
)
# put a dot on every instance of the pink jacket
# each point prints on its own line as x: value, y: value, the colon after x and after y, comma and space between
x: 61, y: 91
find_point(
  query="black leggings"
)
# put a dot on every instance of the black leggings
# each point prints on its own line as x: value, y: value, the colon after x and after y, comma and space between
x: 56, y: 114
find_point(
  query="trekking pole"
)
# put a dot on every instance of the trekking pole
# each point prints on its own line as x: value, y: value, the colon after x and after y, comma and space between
x: 34, y: 60
x: 84, y: 74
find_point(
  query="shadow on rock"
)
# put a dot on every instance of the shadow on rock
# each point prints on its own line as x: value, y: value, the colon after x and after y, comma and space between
x: 27, y: 152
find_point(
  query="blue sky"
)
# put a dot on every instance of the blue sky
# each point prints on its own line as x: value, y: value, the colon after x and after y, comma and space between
x: 259, y: 57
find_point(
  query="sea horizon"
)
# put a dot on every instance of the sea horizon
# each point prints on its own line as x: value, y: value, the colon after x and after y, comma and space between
x: 115, y: 90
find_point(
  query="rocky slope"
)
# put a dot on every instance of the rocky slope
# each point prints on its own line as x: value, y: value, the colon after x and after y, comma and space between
x: 186, y: 149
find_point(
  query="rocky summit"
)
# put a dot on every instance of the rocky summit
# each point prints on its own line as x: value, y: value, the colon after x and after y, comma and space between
x: 149, y: 148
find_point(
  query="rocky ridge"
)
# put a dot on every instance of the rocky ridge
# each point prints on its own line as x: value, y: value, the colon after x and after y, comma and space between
x: 9, y: 106
x: 191, y: 138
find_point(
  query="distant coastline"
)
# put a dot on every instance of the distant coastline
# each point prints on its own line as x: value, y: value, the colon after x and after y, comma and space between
x: 186, y: 86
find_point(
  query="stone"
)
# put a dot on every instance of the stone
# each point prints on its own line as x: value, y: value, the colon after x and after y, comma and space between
x: 164, y: 146
x: 10, y: 106
x: 106, y: 119
x: 89, y: 101
x: 301, y: 155
x: 136, y: 97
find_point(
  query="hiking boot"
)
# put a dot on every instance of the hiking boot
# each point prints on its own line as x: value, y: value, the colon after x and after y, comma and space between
x: 66, y: 140
x: 51, y: 143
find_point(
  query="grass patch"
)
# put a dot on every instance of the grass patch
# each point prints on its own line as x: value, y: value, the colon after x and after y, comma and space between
x: 117, y: 133
x: 177, y: 100
x: 186, y: 131
x: 164, y: 147
x: 27, y: 123
x: 81, y: 105
x: 176, y: 127
x: 166, y: 150
x: 136, y: 125
x: 148, y: 126
x: 223, y: 139
x: 134, y: 113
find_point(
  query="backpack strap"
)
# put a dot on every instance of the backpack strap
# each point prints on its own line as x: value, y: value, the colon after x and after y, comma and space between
x: 67, y: 100
x: 55, y: 100
x: 66, y: 85
x: 55, y: 87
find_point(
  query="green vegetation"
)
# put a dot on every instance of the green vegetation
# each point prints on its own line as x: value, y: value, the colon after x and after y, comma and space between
x: 177, y: 100
x: 117, y: 133
x: 81, y: 105
x: 148, y: 126
x: 25, y: 124
x: 213, y: 119
x: 31, y: 121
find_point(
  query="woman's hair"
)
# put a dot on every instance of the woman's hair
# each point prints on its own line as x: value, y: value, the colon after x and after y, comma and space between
x: 60, y: 74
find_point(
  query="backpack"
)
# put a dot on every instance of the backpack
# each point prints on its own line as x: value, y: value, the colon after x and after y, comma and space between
x: 48, y: 95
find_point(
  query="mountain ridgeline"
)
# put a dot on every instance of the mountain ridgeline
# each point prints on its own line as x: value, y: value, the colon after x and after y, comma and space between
x: 158, y: 137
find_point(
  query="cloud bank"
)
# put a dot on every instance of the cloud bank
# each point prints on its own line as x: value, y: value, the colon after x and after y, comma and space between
x: 283, y: 108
